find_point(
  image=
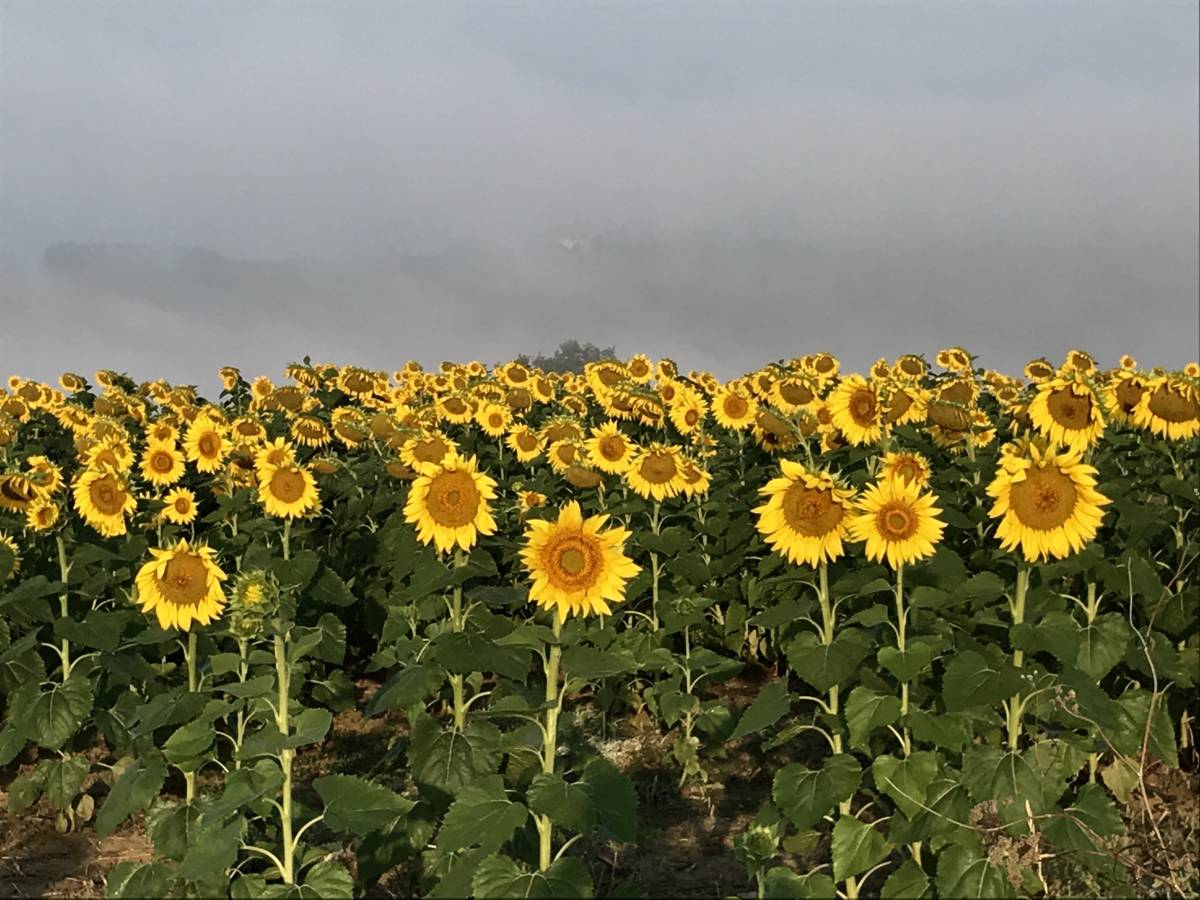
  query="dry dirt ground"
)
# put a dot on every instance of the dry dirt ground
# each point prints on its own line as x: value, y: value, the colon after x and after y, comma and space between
x: 685, y: 847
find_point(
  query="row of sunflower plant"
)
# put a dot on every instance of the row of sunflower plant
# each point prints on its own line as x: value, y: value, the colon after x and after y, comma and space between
x: 975, y: 597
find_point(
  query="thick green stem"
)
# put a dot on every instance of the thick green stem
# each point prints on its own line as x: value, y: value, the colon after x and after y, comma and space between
x: 64, y: 570
x: 243, y: 671
x: 654, y: 570
x: 458, y: 623
x: 828, y: 621
x: 550, y: 743
x: 1016, y: 705
x: 189, y: 778
x: 902, y: 644
x: 282, y: 676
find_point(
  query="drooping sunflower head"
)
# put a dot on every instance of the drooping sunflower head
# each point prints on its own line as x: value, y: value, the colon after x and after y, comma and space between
x: 856, y: 410
x: 524, y: 443
x: 288, y: 491
x: 656, y: 472
x: 1078, y: 362
x: 806, y: 514
x: 230, y: 376
x: 1169, y: 408
x: 910, y: 467
x: 910, y: 367
x: 450, y: 503
x: 906, y: 403
x: 179, y: 506
x: 1046, y: 500
x: 430, y: 448
x: 898, y: 521
x: 309, y: 431
x: 576, y: 565
x: 956, y: 359
x: 350, y: 426
x: 181, y: 585
x: 17, y: 492
x: 696, y: 479
x: 609, y: 449
x: 1039, y: 370
x: 794, y: 392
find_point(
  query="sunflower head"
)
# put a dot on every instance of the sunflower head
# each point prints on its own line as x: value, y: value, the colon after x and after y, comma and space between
x: 1046, y: 500
x: 42, y: 514
x: 656, y: 472
x: 179, y: 506
x: 898, y: 521
x: 181, y: 585
x: 254, y: 598
x: 288, y: 491
x: 806, y: 514
x: 450, y: 503
x: 10, y: 558
x: 576, y: 565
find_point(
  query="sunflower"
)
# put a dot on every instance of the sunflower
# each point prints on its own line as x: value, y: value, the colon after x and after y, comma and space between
x: 609, y: 449
x: 205, y: 444
x: 110, y: 451
x: 288, y: 492
x: 182, y: 585
x: 640, y: 368
x: 1122, y: 394
x: 688, y: 411
x: 277, y: 453
x: 908, y: 466
x: 524, y: 443
x: 103, y: 499
x: 455, y: 409
x: 528, y: 500
x: 449, y: 503
x: 793, y: 393
x: 17, y: 492
x: 910, y: 367
x: 1068, y: 413
x: 493, y: 418
x: 350, y: 426
x: 564, y: 454
x: 72, y: 382
x: 561, y: 429
x: 734, y: 408
x: 805, y: 516
x: 14, y: 552
x: 656, y: 472
x: 855, y: 409
x: 44, y: 475
x: 1046, y: 502
x: 431, y: 447
x: 956, y: 359
x: 1039, y: 370
x: 309, y: 431
x: 162, y: 464
x: 230, y: 376
x: 577, y: 567
x: 696, y: 479
x: 1169, y: 408
x: 180, y: 507
x: 898, y: 522
x: 42, y: 514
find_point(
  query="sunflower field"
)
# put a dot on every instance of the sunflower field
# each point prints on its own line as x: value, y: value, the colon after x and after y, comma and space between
x: 928, y: 631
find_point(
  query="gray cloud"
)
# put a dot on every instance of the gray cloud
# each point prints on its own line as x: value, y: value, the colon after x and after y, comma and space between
x: 763, y: 185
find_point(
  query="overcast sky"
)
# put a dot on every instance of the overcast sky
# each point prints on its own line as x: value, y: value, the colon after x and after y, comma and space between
x: 765, y: 180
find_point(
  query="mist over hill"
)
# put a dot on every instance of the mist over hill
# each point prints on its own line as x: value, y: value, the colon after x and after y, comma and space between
x: 725, y: 302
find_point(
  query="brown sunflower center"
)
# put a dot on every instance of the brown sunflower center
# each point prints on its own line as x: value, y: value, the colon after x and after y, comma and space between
x: 900, y: 403
x: 209, y: 445
x: 1173, y: 405
x: 1044, y: 500
x: 527, y: 442
x: 608, y: 377
x: 453, y: 499
x: 612, y: 447
x: 735, y: 406
x: 162, y: 461
x: 911, y: 366
x: 1129, y: 392
x: 691, y: 417
x: 908, y: 469
x: 796, y: 394
x: 431, y: 450
x: 183, y: 505
x: 896, y: 521
x: 573, y: 562
x: 455, y: 406
x: 287, y: 485
x: 658, y: 468
x: 107, y: 495
x: 813, y: 512
x: 862, y: 406
x: 1069, y: 409
x: 185, y: 581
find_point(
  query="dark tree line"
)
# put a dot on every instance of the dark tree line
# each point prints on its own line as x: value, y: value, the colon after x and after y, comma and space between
x: 571, y: 356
